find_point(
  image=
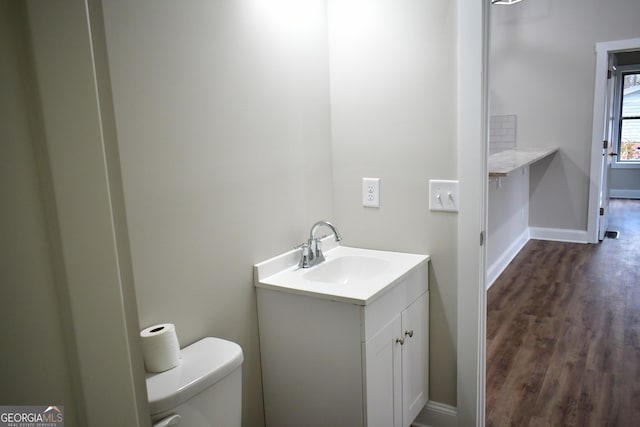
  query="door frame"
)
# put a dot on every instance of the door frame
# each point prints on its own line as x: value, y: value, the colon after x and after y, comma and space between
x: 473, y: 47
x: 94, y: 263
x: 603, y: 50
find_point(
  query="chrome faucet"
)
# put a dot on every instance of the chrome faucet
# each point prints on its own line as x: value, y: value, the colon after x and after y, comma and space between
x: 312, y: 250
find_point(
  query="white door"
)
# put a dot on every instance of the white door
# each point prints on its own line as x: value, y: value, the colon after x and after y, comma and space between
x: 607, y: 150
x: 384, y: 377
x: 415, y: 359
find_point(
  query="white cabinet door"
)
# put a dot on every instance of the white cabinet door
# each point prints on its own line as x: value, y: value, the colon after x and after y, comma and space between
x: 415, y: 358
x: 383, y: 377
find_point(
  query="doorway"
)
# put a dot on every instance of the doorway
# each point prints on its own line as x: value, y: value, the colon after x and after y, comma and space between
x: 602, y: 132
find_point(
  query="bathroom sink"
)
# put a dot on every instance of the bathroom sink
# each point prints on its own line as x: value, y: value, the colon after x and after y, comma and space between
x: 348, y: 274
x: 348, y: 269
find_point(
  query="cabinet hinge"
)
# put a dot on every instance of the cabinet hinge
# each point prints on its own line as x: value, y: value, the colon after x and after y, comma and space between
x: 481, y: 238
x: 601, y: 211
x: 609, y: 74
x: 605, y: 144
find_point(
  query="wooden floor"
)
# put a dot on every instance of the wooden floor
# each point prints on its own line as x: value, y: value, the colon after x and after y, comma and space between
x: 563, y: 332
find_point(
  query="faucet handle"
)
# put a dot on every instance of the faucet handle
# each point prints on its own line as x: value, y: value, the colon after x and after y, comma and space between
x: 304, y: 256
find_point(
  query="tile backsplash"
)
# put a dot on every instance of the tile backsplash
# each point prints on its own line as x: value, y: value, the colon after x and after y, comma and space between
x: 502, y: 133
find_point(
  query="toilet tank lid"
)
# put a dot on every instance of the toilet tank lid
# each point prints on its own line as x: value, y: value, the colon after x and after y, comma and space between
x: 203, y: 364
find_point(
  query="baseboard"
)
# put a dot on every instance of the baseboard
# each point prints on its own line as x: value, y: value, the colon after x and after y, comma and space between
x: 624, y: 194
x: 437, y: 414
x: 559, y: 234
x: 507, y: 256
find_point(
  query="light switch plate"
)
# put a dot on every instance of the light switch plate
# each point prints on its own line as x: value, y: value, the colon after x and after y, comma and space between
x: 371, y: 192
x: 443, y: 195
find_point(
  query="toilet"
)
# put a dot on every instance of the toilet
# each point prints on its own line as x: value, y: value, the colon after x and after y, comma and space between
x: 204, y: 390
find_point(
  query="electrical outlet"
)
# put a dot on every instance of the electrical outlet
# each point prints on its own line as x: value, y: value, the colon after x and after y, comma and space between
x: 371, y: 192
x: 443, y: 195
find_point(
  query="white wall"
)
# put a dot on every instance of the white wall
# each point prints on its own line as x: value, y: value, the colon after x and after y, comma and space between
x: 542, y: 69
x: 222, y: 113
x: 508, y: 220
x: 393, y: 115
x: 37, y: 355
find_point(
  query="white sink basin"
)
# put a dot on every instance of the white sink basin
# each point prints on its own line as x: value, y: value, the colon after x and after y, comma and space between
x: 348, y: 269
x: 348, y: 274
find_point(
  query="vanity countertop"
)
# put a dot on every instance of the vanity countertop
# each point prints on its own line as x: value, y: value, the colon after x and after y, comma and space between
x: 352, y: 275
x: 505, y: 162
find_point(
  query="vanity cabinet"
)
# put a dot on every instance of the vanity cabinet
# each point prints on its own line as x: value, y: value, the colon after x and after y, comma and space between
x: 397, y: 375
x: 328, y: 362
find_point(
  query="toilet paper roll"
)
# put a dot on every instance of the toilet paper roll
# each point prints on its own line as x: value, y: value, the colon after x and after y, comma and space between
x: 160, y: 347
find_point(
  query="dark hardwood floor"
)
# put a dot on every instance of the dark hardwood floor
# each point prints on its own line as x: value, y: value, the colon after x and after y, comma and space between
x: 563, y: 332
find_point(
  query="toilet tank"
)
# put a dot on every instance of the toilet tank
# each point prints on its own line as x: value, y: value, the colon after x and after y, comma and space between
x: 204, y: 390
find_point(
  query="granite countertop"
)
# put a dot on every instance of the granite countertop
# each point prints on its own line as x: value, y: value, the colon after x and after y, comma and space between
x: 505, y: 162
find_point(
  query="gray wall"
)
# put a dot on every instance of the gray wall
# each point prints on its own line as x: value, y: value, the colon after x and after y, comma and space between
x: 393, y: 115
x: 222, y: 113
x: 232, y: 144
x: 225, y: 139
x: 542, y: 67
x: 625, y: 183
x: 83, y: 214
x: 37, y: 356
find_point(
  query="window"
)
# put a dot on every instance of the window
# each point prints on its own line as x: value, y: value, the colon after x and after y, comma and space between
x: 626, y: 132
